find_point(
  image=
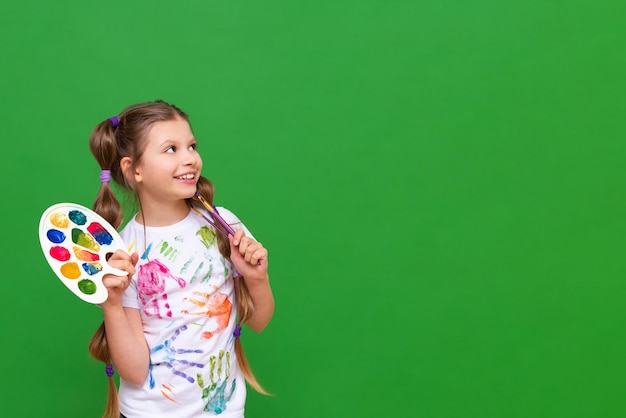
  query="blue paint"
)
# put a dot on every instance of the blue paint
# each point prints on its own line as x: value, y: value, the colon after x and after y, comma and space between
x: 56, y: 236
x: 92, y: 268
x: 77, y: 217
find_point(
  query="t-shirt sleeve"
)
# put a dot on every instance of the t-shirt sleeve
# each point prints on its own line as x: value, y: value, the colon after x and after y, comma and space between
x: 130, y: 298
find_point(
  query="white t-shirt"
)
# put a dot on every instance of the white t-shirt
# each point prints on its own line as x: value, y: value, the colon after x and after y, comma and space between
x: 184, y: 290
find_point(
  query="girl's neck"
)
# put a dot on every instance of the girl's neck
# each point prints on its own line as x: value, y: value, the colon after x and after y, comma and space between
x: 162, y: 214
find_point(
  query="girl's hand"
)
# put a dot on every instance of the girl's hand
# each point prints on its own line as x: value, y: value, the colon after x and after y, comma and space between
x: 116, y: 285
x: 248, y: 256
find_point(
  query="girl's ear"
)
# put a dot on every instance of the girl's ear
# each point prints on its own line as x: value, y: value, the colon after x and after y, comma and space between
x: 126, y: 164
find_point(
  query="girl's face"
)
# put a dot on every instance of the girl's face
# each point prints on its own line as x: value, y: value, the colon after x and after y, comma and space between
x: 170, y: 166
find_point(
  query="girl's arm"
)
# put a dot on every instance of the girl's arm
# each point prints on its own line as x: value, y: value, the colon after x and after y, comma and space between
x: 250, y: 259
x: 124, y: 330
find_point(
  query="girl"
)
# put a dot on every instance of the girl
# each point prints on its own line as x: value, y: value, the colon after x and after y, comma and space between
x: 172, y: 326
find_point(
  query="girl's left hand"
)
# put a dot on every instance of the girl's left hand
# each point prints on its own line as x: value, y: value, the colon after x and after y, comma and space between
x: 248, y: 256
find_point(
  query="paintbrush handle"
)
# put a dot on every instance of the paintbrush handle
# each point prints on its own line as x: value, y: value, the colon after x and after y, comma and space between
x: 222, y: 222
x: 209, y: 221
x: 216, y: 216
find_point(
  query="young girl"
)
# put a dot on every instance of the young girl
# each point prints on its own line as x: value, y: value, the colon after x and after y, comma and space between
x: 171, y: 327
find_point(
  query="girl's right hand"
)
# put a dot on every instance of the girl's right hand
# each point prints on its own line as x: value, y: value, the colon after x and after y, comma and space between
x: 117, y: 285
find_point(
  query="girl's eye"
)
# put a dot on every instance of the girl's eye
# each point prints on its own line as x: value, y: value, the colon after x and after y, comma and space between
x: 193, y: 147
x: 171, y: 149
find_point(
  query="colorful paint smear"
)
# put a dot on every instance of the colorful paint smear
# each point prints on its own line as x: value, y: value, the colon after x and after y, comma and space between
x: 100, y: 234
x: 59, y: 220
x: 70, y: 270
x: 77, y: 217
x: 59, y: 253
x: 55, y: 236
x: 84, y: 255
x: 87, y: 287
x: 84, y: 240
x: 92, y: 268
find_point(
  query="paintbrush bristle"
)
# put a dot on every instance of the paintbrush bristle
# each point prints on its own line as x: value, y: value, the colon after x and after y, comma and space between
x: 204, y: 202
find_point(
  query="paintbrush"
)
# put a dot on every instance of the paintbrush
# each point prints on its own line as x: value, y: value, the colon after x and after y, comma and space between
x: 216, y: 216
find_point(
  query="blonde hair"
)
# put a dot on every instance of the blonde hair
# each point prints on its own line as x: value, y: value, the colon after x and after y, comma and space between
x: 126, y: 137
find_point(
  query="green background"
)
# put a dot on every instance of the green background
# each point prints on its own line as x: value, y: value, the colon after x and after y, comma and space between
x: 439, y: 183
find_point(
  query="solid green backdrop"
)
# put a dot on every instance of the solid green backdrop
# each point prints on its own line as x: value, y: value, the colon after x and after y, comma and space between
x: 440, y: 186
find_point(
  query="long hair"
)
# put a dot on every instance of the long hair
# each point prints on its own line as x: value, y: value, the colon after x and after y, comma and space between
x: 110, y: 142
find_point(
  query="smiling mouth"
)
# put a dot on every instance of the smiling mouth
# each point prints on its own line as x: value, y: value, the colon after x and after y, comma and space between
x: 186, y: 177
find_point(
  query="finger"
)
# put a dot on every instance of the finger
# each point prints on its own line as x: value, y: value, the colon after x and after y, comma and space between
x: 125, y: 265
x: 255, y: 252
x: 115, y: 282
x: 245, y: 244
x: 239, y: 235
x: 257, y: 256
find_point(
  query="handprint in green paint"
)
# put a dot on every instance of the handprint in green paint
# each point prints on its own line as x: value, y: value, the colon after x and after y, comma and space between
x: 214, y: 394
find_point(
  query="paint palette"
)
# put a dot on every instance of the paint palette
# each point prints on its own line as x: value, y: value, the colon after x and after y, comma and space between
x: 77, y: 243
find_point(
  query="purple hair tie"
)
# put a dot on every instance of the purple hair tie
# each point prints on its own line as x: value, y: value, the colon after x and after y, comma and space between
x: 105, y: 176
x: 237, y: 331
x: 109, y: 370
x: 114, y: 120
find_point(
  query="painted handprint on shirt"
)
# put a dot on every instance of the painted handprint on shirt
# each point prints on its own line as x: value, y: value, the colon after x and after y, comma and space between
x: 214, y: 394
x: 215, y: 306
x: 173, y: 357
x: 151, y: 283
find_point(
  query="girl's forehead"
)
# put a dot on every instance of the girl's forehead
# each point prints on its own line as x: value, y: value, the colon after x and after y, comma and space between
x: 170, y: 130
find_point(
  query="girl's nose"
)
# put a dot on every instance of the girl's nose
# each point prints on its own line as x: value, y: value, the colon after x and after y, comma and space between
x: 190, y: 157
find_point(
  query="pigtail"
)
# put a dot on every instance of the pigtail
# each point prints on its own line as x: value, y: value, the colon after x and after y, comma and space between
x: 245, y: 305
x: 103, y: 146
x: 245, y: 309
x: 99, y: 350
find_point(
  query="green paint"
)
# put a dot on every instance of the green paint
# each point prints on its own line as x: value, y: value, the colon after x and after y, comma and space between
x: 167, y: 250
x: 186, y: 266
x: 212, y: 362
x: 195, y: 274
x: 84, y: 240
x: 226, y: 269
x: 87, y: 286
x: 207, y: 236
x: 207, y: 276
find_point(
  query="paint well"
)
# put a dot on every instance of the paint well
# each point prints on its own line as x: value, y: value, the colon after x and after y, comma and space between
x: 84, y: 240
x: 60, y: 220
x: 77, y: 217
x: 87, y: 287
x: 70, y: 270
x: 92, y: 268
x: 100, y: 234
x: 55, y: 236
x: 60, y: 253
x: 84, y: 255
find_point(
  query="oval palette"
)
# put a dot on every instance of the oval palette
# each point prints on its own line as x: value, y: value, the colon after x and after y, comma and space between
x: 77, y: 243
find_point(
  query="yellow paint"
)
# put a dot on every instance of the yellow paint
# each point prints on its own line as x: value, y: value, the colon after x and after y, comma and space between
x: 60, y: 220
x: 70, y: 270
